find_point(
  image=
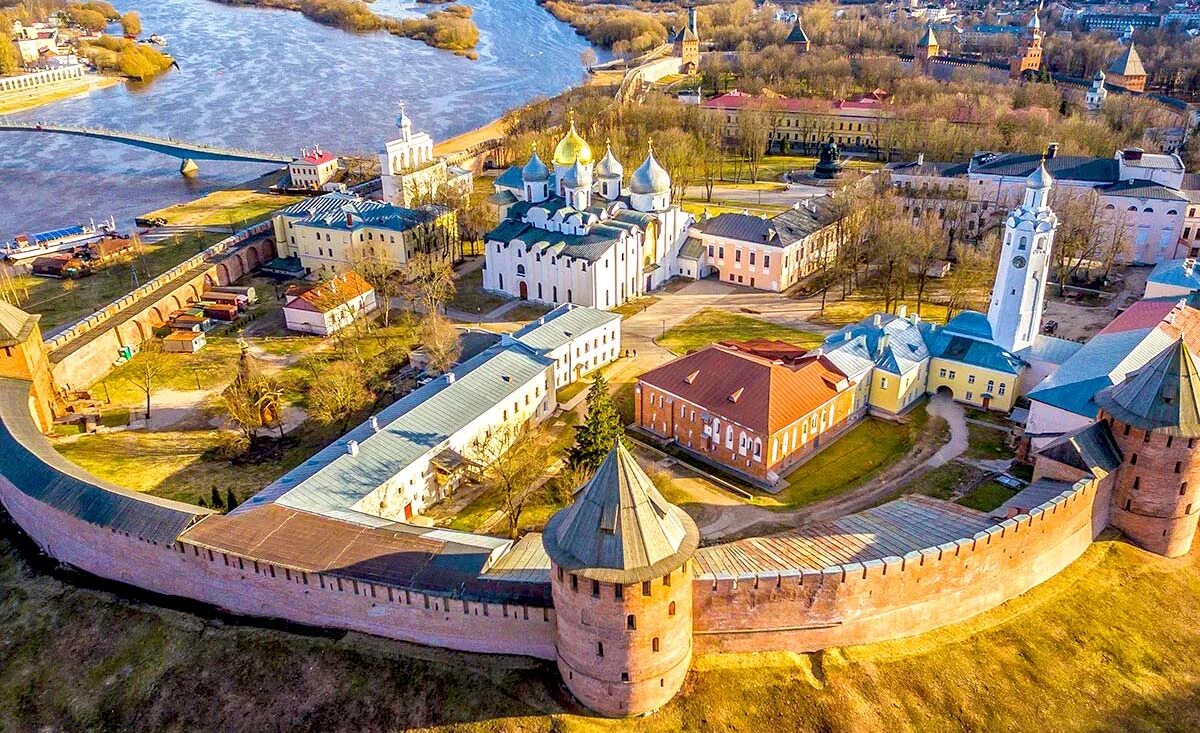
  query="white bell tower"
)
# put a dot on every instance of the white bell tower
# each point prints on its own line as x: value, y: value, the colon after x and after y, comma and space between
x: 1015, y: 313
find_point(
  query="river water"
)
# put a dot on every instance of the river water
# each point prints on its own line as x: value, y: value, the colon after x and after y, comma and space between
x: 273, y: 81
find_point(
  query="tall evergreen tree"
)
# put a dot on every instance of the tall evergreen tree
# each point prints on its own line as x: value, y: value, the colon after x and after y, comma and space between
x: 601, y: 428
x: 230, y: 500
x: 215, y: 499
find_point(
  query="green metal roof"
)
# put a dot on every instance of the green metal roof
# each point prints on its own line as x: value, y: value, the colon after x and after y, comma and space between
x: 37, y: 470
x: 620, y: 529
x: 1163, y: 395
x: 419, y: 423
x: 561, y: 325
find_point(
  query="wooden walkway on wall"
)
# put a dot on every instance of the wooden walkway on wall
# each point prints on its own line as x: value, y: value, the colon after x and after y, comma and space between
x: 893, y: 529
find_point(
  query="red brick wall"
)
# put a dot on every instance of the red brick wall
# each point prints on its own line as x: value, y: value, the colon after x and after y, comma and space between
x: 188, y: 572
x: 877, y: 600
x: 632, y: 677
x: 1155, y: 501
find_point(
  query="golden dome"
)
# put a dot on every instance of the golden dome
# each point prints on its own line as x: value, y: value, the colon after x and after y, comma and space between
x: 572, y: 148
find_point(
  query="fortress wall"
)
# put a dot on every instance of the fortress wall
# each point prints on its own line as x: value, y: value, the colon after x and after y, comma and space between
x: 93, y: 359
x: 899, y: 596
x: 240, y: 586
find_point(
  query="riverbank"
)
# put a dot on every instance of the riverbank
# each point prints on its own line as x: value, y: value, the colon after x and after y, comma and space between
x: 22, y: 101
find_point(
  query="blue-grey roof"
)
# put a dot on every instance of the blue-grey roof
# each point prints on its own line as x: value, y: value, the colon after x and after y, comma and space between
x: 511, y: 178
x: 1100, y: 363
x: 590, y: 247
x: 561, y: 325
x: 1143, y: 189
x: 37, y: 470
x: 966, y: 338
x: 1089, y: 449
x: 1062, y: 167
x: 970, y: 323
x: 414, y: 426
x: 893, y: 344
x: 1050, y: 349
x: 345, y: 211
x: 1177, y: 273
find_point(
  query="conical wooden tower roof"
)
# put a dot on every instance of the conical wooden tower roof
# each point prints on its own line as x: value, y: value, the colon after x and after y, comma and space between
x: 15, y: 325
x: 620, y: 529
x: 1164, y: 395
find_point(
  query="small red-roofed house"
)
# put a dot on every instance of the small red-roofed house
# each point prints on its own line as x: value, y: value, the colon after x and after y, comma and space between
x: 313, y: 169
x: 758, y: 408
x: 329, y: 306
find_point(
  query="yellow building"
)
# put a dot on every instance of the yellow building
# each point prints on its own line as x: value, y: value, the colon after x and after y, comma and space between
x: 895, y: 360
x: 332, y: 233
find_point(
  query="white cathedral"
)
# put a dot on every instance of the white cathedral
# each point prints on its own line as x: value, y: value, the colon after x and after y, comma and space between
x: 579, y: 234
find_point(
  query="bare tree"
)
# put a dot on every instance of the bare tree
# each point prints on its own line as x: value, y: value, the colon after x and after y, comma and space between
x: 338, y: 391
x: 753, y: 132
x: 924, y: 248
x: 253, y: 400
x: 441, y: 341
x: 146, y: 367
x: 511, y: 458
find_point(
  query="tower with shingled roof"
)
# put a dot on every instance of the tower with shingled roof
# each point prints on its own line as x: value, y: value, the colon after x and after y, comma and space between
x: 23, y: 357
x: 1029, y: 53
x: 621, y: 578
x: 1154, y: 417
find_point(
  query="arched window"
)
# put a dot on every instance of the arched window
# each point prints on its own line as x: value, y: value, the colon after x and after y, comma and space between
x: 1172, y: 212
x: 1110, y: 206
x: 1147, y: 210
x: 630, y: 622
x: 654, y: 644
x: 1133, y: 208
x: 520, y: 269
x: 671, y: 608
x: 1022, y: 243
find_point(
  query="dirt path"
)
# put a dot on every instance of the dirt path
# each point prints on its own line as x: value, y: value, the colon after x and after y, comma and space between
x: 740, y: 519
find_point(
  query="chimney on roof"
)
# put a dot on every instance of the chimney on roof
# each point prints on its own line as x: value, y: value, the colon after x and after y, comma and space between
x: 352, y: 447
x: 883, y: 341
x: 375, y: 423
x: 1051, y: 151
x: 902, y: 310
x: 877, y: 320
x: 920, y: 159
x: 449, y: 377
x: 1189, y: 265
x: 1133, y: 154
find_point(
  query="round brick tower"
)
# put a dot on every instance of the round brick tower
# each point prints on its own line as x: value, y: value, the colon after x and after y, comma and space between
x: 1154, y: 417
x: 621, y: 578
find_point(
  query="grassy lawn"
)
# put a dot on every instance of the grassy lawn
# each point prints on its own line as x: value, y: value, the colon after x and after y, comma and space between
x: 526, y: 312
x: 711, y: 325
x: 233, y: 208
x: 635, y: 306
x: 57, y: 306
x: 572, y: 389
x: 857, y: 307
x: 987, y: 496
x: 728, y: 206
x: 940, y: 483
x: 470, y: 297
x: 987, y: 443
x: 859, y: 454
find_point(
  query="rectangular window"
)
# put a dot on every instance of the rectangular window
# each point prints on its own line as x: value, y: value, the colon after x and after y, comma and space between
x: 737, y: 255
x: 1002, y: 386
x: 942, y: 373
x: 951, y: 375
x: 766, y: 261
x: 970, y: 379
x: 752, y: 258
x: 720, y: 253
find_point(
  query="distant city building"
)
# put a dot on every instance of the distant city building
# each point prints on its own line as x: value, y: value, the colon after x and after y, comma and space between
x: 330, y: 306
x: 1127, y: 71
x: 1096, y: 94
x: 798, y: 38
x: 1029, y: 54
x: 333, y: 232
x: 313, y: 169
x: 579, y: 233
x: 686, y: 44
x: 579, y: 340
x: 803, y: 124
x: 1118, y: 22
x: 410, y: 173
x: 1141, y: 193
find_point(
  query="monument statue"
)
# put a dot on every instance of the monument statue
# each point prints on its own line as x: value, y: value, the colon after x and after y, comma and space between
x: 829, y: 162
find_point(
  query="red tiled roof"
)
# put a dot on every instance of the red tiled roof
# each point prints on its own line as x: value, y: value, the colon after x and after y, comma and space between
x: 318, y: 158
x: 330, y: 295
x: 1142, y: 314
x: 753, y: 391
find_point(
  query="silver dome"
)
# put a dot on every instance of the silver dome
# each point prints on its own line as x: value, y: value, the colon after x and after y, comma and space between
x: 535, y: 169
x: 650, y: 177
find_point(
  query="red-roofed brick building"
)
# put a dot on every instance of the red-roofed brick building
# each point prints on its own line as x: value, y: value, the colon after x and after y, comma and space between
x: 758, y: 408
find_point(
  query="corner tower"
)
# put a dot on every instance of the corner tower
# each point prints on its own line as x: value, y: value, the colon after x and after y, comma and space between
x: 1015, y: 312
x: 927, y: 49
x: 1029, y: 55
x: 621, y: 578
x: 23, y: 357
x: 1154, y: 417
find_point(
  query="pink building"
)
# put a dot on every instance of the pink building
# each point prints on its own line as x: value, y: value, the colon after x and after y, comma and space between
x: 768, y: 254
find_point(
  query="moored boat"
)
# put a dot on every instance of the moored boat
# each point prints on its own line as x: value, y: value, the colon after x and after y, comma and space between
x: 27, y: 246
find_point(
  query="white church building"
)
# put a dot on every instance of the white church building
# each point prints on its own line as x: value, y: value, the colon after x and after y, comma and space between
x: 410, y: 173
x: 579, y: 233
